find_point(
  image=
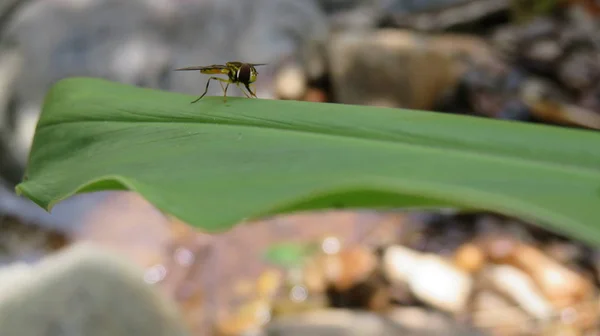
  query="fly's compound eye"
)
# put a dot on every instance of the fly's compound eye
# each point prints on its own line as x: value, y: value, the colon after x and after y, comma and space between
x: 253, y: 75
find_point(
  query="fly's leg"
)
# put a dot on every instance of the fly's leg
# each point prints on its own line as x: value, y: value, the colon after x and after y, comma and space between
x: 208, y: 83
x: 225, y: 91
x: 252, y: 93
x: 241, y: 89
x: 205, y: 90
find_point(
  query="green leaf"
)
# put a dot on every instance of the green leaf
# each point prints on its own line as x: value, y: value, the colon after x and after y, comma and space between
x: 290, y: 254
x: 213, y: 164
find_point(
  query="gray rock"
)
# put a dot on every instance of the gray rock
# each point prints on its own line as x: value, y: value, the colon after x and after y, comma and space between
x: 140, y: 42
x: 7, y: 9
x: 83, y: 291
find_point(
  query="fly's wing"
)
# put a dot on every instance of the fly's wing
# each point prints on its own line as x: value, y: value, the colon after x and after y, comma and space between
x: 214, y: 69
x: 234, y: 64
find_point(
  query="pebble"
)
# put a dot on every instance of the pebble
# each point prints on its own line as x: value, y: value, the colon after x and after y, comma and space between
x: 79, y: 289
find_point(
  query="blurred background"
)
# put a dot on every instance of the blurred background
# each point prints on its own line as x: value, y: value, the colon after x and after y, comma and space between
x: 329, y: 273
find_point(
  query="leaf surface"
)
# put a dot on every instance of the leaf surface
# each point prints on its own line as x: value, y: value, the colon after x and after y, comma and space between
x: 214, y: 164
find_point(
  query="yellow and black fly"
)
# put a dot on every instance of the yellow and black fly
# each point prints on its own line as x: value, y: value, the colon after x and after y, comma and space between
x: 237, y: 73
